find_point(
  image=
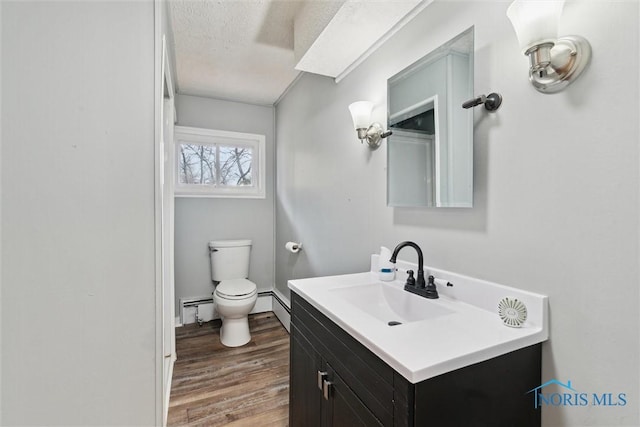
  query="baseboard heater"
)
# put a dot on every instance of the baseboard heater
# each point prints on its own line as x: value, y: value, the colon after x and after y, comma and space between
x: 201, y: 309
x: 284, y: 305
x: 198, y: 310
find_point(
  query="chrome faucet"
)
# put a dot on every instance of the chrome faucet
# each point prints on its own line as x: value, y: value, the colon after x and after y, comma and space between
x: 417, y: 286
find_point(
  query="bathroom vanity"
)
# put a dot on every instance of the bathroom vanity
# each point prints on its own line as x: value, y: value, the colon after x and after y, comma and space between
x: 431, y: 368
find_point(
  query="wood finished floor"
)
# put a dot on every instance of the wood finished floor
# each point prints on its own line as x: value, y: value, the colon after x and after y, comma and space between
x: 214, y: 385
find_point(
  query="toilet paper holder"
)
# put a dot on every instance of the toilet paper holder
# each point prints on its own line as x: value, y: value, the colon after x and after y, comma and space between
x: 293, y: 247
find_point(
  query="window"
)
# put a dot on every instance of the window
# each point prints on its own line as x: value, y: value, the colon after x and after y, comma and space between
x: 214, y: 163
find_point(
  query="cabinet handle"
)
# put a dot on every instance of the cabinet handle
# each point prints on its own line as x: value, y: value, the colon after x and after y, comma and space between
x: 322, y: 375
x: 326, y: 389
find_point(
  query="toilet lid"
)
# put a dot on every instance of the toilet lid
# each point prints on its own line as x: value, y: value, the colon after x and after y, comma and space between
x: 236, y: 288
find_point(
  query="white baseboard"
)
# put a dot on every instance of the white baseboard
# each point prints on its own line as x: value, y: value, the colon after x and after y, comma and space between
x: 282, y: 308
x: 263, y: 304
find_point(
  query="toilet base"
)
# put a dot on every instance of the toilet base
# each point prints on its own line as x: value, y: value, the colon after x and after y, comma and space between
x: 235, y: 332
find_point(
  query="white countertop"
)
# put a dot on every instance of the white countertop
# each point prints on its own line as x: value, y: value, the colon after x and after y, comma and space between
x: 469, y: 331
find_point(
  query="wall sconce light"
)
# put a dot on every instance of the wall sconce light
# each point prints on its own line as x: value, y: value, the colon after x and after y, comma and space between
x: 554, y: 62
x: 373, y: 133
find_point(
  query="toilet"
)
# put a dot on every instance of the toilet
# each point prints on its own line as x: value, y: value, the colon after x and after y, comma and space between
x: 234, y: 296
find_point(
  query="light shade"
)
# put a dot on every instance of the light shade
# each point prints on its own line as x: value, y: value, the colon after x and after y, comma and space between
x: 535, y: 21
x: 361, y: 114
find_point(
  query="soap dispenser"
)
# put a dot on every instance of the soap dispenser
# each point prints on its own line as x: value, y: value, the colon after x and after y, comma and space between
x: 387, y: 269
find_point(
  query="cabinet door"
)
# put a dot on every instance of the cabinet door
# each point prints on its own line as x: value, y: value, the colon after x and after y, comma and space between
x: 305, y: 399
x: 344, y: 409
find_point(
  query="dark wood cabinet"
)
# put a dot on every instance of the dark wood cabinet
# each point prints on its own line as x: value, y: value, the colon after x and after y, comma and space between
x: 319, y: 395
x: 305, y: 404
x: 344, y: 408
x: 337, y: 381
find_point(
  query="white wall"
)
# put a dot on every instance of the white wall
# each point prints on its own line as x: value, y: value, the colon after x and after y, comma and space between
x: 556, y: 188
x: 200, y: 220
x: 78, y: 270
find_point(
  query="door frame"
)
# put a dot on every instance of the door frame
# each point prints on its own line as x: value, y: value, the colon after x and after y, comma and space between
x: 167, y: 237
x: 163, y: 223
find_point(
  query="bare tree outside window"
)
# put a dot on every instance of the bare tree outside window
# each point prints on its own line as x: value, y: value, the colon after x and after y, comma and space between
x: 215, y: 164
x: 235, y: 166
x: 197, y: 164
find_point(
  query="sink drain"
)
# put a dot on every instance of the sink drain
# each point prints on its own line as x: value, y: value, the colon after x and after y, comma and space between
x: 394, y: 323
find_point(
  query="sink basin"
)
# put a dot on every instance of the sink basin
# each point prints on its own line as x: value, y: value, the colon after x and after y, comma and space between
x: 390, y: 304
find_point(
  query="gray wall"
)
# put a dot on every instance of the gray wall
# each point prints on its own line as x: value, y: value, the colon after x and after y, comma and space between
x: 556, y: 188
x: 78, y: 267
x: 199, y: 220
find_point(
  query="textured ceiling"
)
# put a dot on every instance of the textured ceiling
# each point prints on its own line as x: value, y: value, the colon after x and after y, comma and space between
x: 248, y: 50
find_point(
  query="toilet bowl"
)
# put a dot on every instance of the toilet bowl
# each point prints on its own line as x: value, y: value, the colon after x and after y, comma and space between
x: 234, y: 299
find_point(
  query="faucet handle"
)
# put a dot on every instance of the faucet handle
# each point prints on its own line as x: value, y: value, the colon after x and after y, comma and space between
x: 410, y: 279
x: 431, y: 291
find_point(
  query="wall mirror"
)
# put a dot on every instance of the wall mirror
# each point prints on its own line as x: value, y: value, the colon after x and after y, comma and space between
x: 430, y: 154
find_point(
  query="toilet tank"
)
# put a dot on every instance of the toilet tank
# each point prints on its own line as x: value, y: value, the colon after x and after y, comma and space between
x: 229, y: 259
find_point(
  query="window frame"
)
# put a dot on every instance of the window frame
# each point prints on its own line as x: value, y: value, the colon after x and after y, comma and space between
x: 199, y: 136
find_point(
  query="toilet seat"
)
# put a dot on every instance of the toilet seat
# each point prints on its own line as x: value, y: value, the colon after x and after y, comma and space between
x: 235, y: 289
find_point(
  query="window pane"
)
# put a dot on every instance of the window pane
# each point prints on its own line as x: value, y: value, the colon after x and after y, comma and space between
x: 197, y: 164
x: 235, y: 166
